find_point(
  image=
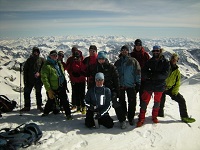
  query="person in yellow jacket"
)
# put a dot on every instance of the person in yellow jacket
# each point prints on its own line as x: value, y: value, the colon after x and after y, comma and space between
x: 172, y: 89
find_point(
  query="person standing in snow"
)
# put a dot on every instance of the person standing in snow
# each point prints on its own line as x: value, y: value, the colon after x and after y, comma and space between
x: 142, y: 57
x: 32, y: 78
x: 53, y: 78
x: 78, y: 81
x: 98, y: 102
x: 172, y: 89
x: 69, y: 61
x: 130, y: 78
x: 154, y: 72
x: 90, y: 63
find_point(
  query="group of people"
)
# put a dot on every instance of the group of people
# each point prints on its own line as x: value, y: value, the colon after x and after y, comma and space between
x: 107, y: 84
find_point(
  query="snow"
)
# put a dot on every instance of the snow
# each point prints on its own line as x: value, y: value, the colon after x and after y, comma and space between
x: 169, y: 134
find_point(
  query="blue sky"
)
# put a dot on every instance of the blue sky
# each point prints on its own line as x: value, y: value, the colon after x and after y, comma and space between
x: 131, y: 18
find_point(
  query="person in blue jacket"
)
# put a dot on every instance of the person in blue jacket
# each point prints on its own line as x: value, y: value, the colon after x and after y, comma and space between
x: 98, y: 103
x: 130, y: 80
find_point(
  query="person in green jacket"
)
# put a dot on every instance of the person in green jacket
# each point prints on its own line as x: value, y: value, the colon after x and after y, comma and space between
x: 172, y: 89
x: 53, y: 78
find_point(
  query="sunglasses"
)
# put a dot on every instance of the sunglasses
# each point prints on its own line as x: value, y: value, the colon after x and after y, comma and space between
x: 55, y: 55
x: 155, y: 51
x: 91, y: 50
x: 60, y: 55
x: 99, y: 79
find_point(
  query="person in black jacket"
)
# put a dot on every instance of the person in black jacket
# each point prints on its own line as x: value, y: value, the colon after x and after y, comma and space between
x: 98, y: 102
x: 32, y: 79
x: 154, y: 72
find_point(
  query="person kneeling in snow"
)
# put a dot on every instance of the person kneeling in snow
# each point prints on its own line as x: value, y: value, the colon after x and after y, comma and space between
x: 98, y: 103
x: 172, y: 89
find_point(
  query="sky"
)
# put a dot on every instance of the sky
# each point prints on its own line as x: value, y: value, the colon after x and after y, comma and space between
x: 131, y: 18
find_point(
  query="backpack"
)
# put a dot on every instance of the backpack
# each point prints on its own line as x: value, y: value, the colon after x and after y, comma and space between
x: 6, y: 105
x: 21, y: 137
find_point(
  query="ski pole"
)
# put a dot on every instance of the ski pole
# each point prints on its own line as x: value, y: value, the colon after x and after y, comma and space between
x: 20, y: 88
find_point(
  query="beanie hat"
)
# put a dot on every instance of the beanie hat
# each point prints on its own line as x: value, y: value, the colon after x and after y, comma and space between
x: 175, y: 56
x: 156, y: 47
x: 54, y: 52
x: 138, y: 42
x: 35, y: 49
x: 125, y: 47
x: 93, y: 47
x: 102, y: 55
x: 99, y: 76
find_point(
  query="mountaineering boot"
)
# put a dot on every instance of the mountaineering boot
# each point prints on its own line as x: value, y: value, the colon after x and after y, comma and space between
x: 69, y: 117
x: 123, y: 124
x: 25, y: 109
x: 155, y: 120
x: 83, y: 110
x: 78, y: 109
x: 161, y: 113
x: 131, y: 122
x: 73, y: 107
x: 140, y: 123
x: 40, y: 108
x: 188, y: 120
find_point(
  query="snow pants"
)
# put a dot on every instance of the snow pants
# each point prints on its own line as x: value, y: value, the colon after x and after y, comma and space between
x: 104, y: 120
x: 146, y: 96
x: 64, y: 102
x: 78, y: 94
x: 179, y: 99
x: 131, y: 102
x: 27, y: 92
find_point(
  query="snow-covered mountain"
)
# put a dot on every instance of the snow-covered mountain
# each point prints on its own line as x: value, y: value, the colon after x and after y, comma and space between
x: 14, y: 52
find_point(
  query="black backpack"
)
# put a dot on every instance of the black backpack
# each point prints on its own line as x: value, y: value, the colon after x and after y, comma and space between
x: 6, y: 105
x: 21, y: 137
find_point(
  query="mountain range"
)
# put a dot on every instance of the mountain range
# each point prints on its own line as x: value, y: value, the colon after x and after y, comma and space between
x: 16, y: 51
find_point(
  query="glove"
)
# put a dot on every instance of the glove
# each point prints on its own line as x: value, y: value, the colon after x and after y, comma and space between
x: 97, y: 116
x: 173, y: 97
x: 76, y: 74
x: 115, y: 104
x: 51, y: 94
x: 137, y: 88
x: 92, y: 108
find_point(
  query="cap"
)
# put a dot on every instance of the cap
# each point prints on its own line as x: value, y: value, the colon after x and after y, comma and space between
x: 125, y: 47
x: 175, y: 56
x: 156, y: 47
x: 93, y: 47
x: 102, y: 55
x: 99, y: 76
x: 138, y: 42
x: 35, y: 49
x: 54, y: 52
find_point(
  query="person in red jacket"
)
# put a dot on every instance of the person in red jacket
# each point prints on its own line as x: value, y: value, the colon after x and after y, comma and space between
x: 69, y: 61
x: 75, y: 69
x: 90, y: 64
x: 142, y: 57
